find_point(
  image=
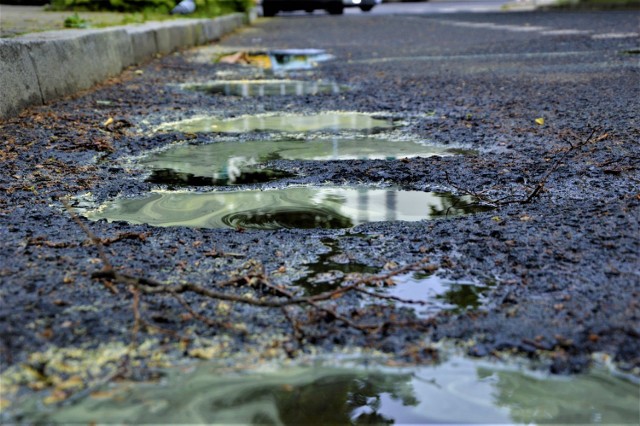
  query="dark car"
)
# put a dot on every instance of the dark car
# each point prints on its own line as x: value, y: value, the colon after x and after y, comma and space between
x: 334, y: 7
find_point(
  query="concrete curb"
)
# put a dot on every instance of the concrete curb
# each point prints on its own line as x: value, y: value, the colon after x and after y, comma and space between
x: 40, y: 67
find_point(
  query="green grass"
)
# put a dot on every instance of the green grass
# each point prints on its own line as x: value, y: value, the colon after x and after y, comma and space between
x: 153, y: 9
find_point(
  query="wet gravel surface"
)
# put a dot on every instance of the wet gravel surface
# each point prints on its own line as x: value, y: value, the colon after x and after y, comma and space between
x: 564, y: 268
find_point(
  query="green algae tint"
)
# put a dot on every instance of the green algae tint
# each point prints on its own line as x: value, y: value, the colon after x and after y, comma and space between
x: 458, y: 391
x: 247, y: 88
x: 235, y: 162
x: 329, y: 121
x: 296, y: 207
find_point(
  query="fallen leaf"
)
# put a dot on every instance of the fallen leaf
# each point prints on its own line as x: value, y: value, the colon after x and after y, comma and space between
x: 70, y: 383
x: 204, y: 353
x: 235, y: 58
x: 56, y: 396
x: 539, y: 121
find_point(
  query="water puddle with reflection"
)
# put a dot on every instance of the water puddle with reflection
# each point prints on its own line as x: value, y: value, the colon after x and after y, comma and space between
x: 277, y: 60
x: 328, y: 272
x: 294, y: 207
x: 247, y: 88
x: 457, y: 391
x: 434, y: 294
x: 327, y: 121
x: 235, y: 162
x: 241, y: 176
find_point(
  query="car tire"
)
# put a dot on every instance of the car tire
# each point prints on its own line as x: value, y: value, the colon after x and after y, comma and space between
x: 336, y: 9
x: 268, y: 10
x: 366, y: 7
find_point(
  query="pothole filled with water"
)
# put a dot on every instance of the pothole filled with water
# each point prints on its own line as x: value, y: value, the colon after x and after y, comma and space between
x: 294, y: 207
x: 331, y: 268
x: 281, y: 60
x: 425, y: 293
x: 247, y: 88
x: 327, y: 121
x: 236, y: 176
x: 428, y: 294
x: 236, y: 162
x: 456, y: 391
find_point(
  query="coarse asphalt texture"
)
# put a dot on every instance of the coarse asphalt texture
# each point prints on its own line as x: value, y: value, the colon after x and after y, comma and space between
x: 563, y: 266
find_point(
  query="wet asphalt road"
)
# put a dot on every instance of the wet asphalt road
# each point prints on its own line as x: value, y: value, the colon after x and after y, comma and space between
x: 563, y: 267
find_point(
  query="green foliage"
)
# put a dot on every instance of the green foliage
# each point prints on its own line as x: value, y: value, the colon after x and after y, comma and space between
x: 75, y: 21
x: 204, y: 8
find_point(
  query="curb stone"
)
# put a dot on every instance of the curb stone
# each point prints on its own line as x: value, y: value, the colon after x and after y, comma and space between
x: 40, y: 67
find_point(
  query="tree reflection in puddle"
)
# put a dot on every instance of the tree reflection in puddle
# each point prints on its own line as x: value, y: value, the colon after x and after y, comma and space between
x: 294, y: 207
x: 433, y: 294
x: 238, y: 162
x: 327, y: 121
x: 456, y: 391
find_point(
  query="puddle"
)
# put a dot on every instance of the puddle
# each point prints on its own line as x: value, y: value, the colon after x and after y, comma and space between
x: 240, y: 176
x: 277, y: 60
x: 328, y: 271
x: 246, y: 88
x: 458, y: 391
x: 435, y: 293
x: 234, y: 162
x: 295, y: 207
x: 329, y: 121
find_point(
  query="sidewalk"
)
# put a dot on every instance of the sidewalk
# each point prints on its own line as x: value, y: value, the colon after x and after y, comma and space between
x: 39, y: 67
x: 17, y: 20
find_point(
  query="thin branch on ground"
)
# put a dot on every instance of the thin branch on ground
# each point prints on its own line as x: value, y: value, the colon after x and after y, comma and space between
x: 539, y: 187
x: 268, y: 295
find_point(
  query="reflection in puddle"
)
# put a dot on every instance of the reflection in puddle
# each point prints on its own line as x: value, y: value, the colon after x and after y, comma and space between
x: 302, y: 207
x: 457, y: 391
x: 278, y: 60
x: 232, y: 162
x: 436, y: 294
x: 247, y: 88
x: 328, y: 121
x: 328, y: 271
x: 241, y: 176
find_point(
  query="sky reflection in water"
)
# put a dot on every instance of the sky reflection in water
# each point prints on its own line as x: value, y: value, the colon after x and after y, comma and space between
x: 230, y: 161
x: 295, y: 207
x: 456, y: 391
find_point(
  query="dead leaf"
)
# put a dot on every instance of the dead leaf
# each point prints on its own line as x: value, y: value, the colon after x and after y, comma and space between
x: 234, y: 58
